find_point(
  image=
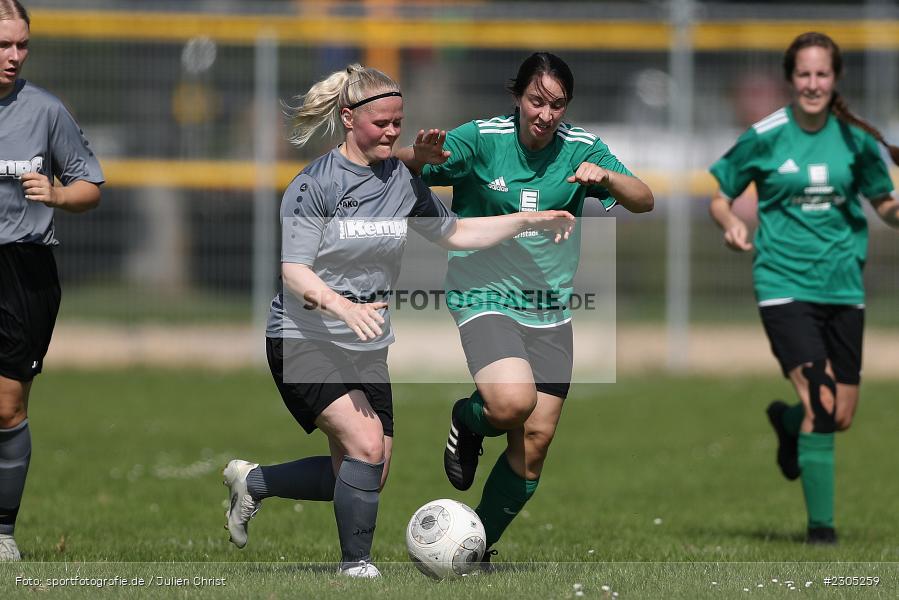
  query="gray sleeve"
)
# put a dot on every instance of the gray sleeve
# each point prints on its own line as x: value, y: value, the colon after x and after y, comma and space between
x: 304, y: 215
x: 72, y: 157
x: 429, y: 217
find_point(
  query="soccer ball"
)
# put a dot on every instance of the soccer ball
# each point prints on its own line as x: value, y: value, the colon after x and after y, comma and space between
x: 445, y: 539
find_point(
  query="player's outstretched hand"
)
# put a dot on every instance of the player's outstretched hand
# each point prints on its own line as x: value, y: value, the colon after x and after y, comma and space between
x: 364, y: 319
x: 560, y: 221
x: 38, y: 188
x: 736, y: 237
x: 428, y: 147
x: 589, y: 174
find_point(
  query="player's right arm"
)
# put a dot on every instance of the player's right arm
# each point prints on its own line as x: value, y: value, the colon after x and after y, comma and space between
x: 306, y: 210
x: 735, y: 171
x: 427, y: 150
x: 362, y: 318
x: 736, y: 234
x: 442, y: 158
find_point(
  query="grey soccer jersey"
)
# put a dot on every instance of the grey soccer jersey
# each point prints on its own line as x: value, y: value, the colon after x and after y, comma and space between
x: 37, y: 133
x: 348, y: 222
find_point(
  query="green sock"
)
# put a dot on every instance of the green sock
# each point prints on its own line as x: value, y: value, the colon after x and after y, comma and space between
x: 792, y: 418
x: 505, y: 494
x: 472, y: 415
x: 816, y: 464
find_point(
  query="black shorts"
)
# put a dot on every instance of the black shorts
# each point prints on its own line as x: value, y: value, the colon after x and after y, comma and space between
x: 310, y: 375
x: 29, y: 303
x: 802, y: 332
x: 549, y: 350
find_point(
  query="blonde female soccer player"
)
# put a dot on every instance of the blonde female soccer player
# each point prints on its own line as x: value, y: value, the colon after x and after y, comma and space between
x: 344, y: 230
x: 39, y: 141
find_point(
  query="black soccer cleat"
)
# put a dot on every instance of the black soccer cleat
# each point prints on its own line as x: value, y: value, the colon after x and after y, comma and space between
x: 460, y: 457
x: 486, y: 566
x: 823, y: 536
x: 787, y: 445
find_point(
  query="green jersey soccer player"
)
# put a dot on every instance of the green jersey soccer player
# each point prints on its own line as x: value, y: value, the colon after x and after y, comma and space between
x: 511, y: 302
x: 811, y: 162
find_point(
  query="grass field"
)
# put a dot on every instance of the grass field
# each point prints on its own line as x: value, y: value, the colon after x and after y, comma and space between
x: 655, y: 487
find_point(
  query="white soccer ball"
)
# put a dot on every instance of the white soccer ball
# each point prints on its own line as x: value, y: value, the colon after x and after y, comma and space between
x: 445, y: 539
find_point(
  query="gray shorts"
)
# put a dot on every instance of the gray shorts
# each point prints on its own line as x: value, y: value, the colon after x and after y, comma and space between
x: 548, y: 350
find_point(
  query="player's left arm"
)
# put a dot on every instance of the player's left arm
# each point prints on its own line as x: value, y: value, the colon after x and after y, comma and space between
x: 78, y: 196
x: 887, y: 208
x: 630, y: 192
x: 73, y: 164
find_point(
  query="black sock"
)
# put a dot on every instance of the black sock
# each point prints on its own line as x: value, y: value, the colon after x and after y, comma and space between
x: 305, y: 479
x: 15, y: 454
x: 356, y: 495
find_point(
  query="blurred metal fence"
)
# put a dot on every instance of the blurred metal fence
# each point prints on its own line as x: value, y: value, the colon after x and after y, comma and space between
x: 170, y: 96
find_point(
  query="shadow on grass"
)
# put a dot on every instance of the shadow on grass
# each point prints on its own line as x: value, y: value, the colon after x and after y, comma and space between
x: 759, y: 534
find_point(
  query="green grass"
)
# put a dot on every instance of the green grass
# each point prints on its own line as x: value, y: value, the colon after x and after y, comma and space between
x: 125, y: 480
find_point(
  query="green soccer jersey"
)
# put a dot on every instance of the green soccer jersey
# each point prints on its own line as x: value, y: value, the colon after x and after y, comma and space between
x: 529, y: 278
x: 812, y: 238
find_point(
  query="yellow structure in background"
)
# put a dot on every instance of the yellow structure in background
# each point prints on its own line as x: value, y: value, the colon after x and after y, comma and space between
x: 385, y: 32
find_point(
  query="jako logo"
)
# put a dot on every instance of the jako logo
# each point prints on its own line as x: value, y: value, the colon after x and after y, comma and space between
x: 364, y: 228
x: 17, y: 168
x: 348, y: 203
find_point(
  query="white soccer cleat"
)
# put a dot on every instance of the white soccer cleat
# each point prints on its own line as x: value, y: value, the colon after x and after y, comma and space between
x: 9, y: 551
x: 362, y: 569
x: 242, y: 505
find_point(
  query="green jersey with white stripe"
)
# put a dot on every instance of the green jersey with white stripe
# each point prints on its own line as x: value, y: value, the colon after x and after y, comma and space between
x: 529, y: 278
x: 812, y: 239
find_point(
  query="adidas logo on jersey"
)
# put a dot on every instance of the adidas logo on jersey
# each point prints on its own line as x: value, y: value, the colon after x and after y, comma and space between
x: 498, y: 184
x: 789, y: 166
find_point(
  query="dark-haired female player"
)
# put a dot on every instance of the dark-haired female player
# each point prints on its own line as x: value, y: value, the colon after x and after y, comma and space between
x: 518, y: 345
x: 810, y: 162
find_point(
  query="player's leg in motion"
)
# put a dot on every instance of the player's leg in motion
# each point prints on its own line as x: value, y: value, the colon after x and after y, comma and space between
x: 309, y: 478
x: 817, y: 389
x: 351, y: 477
x: 15, y: 454
x: 515, y: 475
x: 504, y: 399
x: 360, y: 453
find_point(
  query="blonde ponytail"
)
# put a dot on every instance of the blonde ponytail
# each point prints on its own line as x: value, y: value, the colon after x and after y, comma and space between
x: 319, y: 108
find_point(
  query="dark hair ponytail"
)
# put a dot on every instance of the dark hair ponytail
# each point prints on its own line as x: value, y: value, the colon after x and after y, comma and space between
x: 841, y: 111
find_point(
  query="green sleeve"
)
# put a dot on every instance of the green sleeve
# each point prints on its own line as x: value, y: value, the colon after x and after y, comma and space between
x: 599, y: 154
x: 871, y: 173
x: 739, y: 166
x: 462, y: 143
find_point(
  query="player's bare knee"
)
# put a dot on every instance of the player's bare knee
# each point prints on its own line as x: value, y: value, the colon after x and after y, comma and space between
x: 11, y: 415
x: 370, y: 449
x: 538, y: 441
x: 510, y: 406
x: 844, y: 422
x: 509, y: 416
